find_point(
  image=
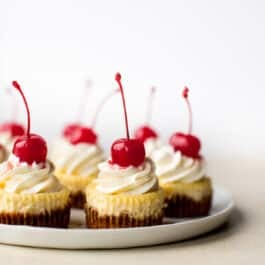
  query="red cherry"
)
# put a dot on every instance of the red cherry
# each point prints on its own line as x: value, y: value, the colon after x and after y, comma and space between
x: 15, y: 129
x: 144, y: 133
x: 70, y: 128
x: 188, y: 144
x: 29, y: 148
x: 126, y: 152
x: 83, y: 135
x: 76, y: 133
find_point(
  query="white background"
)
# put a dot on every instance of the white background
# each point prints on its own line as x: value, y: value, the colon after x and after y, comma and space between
x: 215, y: 47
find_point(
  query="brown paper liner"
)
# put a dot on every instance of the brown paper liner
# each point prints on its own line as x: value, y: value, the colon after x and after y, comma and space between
x: 94, y: 220
x: 57, y: 218
x: 181, y: 206
x: 78, y: 199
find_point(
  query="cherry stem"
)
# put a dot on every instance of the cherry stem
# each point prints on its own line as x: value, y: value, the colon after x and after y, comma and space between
x: 14, y: 110
x: 118, y: 79
x: 101, y: 105
x: 83, y: 100
x: 17, y: 86
x: 150, y: 105
x: 185, y: 95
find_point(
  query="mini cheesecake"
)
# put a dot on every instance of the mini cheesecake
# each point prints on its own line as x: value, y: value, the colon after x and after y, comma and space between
x: 31, y: 195
x: 182, y: 175
x: 29, y: 192
x: 76, y: 156
x: 124, y: 197
x: 76, y: 167
x: 126, y: 191
x: 188, y: 190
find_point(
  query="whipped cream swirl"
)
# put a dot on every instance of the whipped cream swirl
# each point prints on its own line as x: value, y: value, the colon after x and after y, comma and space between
x: 113, y: 179
x: 151, y: 145
x: 81, y: 159
x: 172, y: 166
x: 16, y: 177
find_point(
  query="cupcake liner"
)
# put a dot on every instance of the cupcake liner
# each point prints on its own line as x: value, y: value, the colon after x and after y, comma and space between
x: 59, y: 218
x: 137, y: 206
x: 181, y: 206
x: 78, y: 199
x: 188, y: 199
x: 94, y: 220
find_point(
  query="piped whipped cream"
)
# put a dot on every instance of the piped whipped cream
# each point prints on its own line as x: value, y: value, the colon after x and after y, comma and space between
x: 81, y: 159
x: 172, y: 166
x: 17, y: 177
x: 151, y: 145
x: 113, y: 179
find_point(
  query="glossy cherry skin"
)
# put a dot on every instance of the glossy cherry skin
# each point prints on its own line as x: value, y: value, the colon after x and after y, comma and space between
x: 30, y: 149
x: 83, y: 135
x: 127, y: 152
x: 13, y: 128
x: 188, y: 144
x: 144, y: 133
x: 70, y: 128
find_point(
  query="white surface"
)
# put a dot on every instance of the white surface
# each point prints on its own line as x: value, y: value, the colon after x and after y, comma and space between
x: 215, y: 47
x: 76, y: 238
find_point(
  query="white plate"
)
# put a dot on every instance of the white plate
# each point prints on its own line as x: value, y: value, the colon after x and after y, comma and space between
x: 77, y: 237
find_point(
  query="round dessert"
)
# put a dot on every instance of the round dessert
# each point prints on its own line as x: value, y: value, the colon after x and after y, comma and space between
x: 187, y: 190
x: 181, y: 172
x: 126, y: 191
x: 29, y: 192
x: 145, y: 133
x: 76, y: 157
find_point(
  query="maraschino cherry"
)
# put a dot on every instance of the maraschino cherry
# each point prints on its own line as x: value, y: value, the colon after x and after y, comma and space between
x: 29, y: 148
x: 70, y: 128
x: 82, y: 134
x: 188, y: 144
x: 77, y: 133
x: 13, y: 128
x: 146, y: 132
x: 126, y: 151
